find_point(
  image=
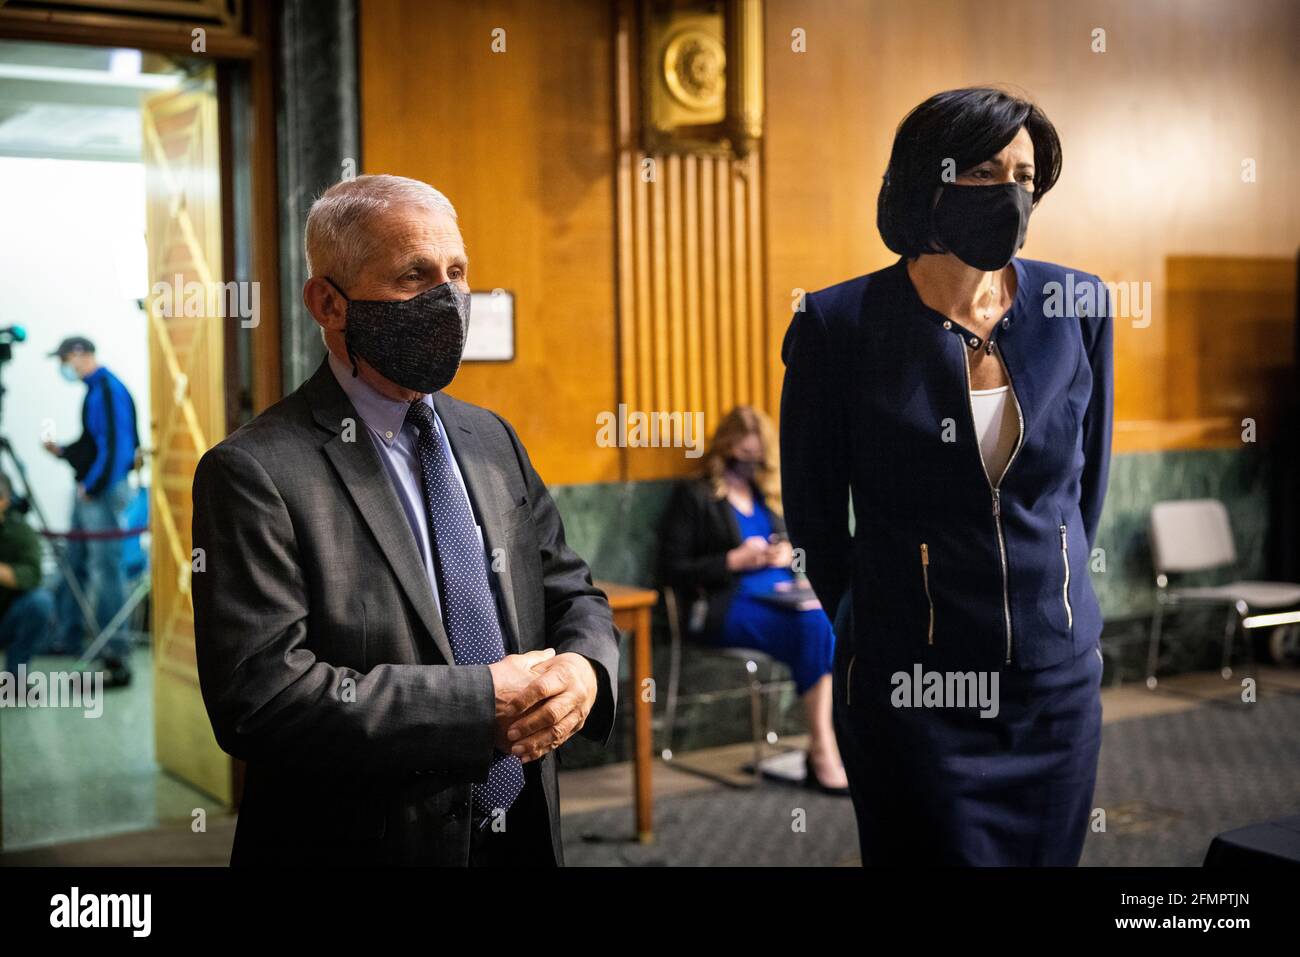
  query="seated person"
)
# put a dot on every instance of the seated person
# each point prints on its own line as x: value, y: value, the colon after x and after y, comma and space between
x: 26, y: 609
x: 724, y: 552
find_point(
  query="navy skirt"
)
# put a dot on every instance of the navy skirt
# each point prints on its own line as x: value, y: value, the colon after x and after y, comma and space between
x: 946, y: 786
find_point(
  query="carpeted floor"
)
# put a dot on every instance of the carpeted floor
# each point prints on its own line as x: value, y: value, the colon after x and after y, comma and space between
x: 1167, y: 784
x: 1177, y: 767
x: 775, y: 825
x: 1170, y: 783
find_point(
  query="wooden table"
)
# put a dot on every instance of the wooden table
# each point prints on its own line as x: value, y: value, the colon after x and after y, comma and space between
x: 631, y: 606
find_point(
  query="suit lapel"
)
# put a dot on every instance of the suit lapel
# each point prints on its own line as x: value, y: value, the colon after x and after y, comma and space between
x: 491, y: 501
x: 363, y: 475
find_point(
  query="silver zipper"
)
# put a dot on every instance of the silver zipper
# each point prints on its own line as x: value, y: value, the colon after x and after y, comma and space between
x: 848, y: 681
x: 1065, y: 589
x: 925, y: 576
x: 994, y: 489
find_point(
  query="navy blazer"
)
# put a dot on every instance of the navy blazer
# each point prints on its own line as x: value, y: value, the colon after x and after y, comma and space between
x: 946, y: 566
x: 696, y: 532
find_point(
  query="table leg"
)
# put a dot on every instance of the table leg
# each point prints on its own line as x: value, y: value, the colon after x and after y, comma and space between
x: 644, y: 716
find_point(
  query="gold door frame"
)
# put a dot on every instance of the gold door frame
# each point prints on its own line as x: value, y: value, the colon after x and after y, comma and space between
x: 187, y: 363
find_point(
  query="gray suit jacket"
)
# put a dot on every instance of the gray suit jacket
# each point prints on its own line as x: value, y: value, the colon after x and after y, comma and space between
x: 322, y: 660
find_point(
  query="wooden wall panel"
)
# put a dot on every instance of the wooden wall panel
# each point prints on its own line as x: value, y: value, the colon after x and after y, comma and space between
x: 691, y: 278
x: 521, y: 141
x: 674, y: 295
x: 1155, y: 131
x: 690, y: 262
x: 1237, y: 331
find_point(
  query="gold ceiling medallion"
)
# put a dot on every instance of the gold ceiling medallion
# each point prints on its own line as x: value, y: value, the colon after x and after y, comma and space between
x: 701, y: 75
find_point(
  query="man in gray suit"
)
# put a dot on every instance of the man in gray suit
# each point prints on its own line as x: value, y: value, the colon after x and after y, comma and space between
x: 391, y: 630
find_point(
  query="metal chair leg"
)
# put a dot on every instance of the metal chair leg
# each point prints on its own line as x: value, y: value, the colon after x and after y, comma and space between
x: 1230, y: 629
x: 674, y: 672
x: 756, y: 717
x: 773, y: 689
x: 1250, y: 641
x: 1117, y: 676
x: 1153, y: 650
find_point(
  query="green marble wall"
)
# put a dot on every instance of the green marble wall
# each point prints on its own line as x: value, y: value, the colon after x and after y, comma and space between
x: 614, y: 527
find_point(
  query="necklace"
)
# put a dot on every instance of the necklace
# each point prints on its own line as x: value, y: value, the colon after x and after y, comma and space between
x: 990, y: 313
x: 996, y: 304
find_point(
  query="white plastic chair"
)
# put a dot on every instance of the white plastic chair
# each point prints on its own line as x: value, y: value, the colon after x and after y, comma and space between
x: 1195, y: 535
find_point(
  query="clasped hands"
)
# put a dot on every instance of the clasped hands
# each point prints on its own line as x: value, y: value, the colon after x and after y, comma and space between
x: 541, y: 699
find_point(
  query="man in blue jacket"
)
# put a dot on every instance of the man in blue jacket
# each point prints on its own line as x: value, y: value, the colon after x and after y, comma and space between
x: 101, y: 459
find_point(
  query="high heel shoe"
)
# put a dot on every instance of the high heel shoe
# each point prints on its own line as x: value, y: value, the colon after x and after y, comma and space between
x: 811, y: 781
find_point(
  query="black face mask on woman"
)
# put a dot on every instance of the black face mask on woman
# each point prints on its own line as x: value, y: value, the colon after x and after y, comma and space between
x: 743, y: 468
x: 416, y: 343
x: 983, y: 226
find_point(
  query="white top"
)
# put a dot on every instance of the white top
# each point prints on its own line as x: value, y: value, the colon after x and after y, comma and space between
x: 997, y: 424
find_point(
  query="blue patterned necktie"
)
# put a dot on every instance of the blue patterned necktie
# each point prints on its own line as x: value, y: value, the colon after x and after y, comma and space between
x: 468, y: 609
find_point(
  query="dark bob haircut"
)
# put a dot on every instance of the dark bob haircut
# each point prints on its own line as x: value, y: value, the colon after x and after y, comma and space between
x: 967, y: 127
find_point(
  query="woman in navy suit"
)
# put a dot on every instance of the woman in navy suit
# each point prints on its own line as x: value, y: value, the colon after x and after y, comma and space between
x: 963, y: 397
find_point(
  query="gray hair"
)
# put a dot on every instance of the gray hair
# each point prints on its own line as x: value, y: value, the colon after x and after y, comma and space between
x: 338, y: 239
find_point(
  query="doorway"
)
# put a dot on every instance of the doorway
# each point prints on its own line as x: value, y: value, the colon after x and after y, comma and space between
x: 111, y: 180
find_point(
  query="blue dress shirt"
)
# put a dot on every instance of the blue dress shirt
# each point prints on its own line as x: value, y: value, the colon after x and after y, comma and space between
x: 394, y: 440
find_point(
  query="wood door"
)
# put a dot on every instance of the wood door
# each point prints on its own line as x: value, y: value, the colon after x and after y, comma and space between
x: 183, y: 186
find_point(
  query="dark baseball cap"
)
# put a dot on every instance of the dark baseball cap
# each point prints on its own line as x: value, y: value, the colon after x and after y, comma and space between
x: 73, y: 344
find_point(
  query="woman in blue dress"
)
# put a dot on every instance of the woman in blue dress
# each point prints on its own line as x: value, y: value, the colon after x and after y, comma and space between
x: 962, y: 397
x: 725, y: 552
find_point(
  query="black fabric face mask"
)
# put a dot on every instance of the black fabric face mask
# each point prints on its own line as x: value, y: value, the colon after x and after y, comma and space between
x: 743, y: 468
x: 416, y: 343
x: 983, y: 226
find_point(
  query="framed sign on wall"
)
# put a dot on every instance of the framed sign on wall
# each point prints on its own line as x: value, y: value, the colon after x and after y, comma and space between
x: 491, y: 335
